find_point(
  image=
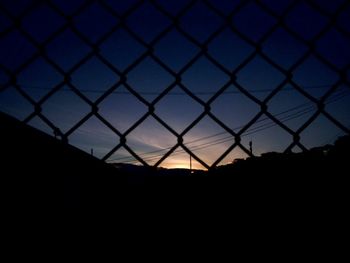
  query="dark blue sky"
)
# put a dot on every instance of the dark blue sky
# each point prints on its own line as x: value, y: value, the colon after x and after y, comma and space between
x: 176, y: 48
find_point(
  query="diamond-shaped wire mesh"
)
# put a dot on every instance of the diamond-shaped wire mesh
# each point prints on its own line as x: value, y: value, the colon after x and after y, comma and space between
x: 69, y: 46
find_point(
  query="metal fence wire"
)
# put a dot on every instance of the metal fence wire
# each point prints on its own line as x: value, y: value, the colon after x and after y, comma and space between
x: 122, y: 22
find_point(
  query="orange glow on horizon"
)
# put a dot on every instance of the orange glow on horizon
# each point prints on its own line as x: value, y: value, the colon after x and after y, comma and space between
x: 181, y: 163
x: 177, y: 166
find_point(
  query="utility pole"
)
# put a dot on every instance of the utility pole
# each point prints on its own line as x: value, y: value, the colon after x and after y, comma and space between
x: 92, y: 152
x: 251, y: 147
x: 190, y: 163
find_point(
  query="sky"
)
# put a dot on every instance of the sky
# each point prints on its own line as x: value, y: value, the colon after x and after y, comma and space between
x: 228, y: 29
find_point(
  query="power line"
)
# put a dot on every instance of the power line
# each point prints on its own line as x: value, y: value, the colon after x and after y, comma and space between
x: 203, y: 138
x: 229, y: 138
x: 220, y: 133
x: 248, y: 132
x: 198, y: 93
x: 152, y: 153
x: 239, y: 127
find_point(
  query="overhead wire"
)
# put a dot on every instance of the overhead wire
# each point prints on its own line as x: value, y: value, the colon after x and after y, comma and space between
x: 229, y: 138
x: 248, y: 132
x: 198, y: 93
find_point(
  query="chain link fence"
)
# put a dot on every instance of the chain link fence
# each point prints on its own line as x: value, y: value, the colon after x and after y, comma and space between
x: 120, y: 20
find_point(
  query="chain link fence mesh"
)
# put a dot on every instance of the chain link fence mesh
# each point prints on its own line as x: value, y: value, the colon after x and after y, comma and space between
x: 120, y: 20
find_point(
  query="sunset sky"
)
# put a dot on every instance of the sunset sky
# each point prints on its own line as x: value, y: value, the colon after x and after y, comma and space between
x: 145, y: 25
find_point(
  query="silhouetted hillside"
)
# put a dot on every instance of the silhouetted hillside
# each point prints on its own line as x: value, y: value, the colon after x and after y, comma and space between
x: 318, y: 160
x: 37, y: 169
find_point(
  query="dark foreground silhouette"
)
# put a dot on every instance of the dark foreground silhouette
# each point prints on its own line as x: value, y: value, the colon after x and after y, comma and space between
x: 38, y: 170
